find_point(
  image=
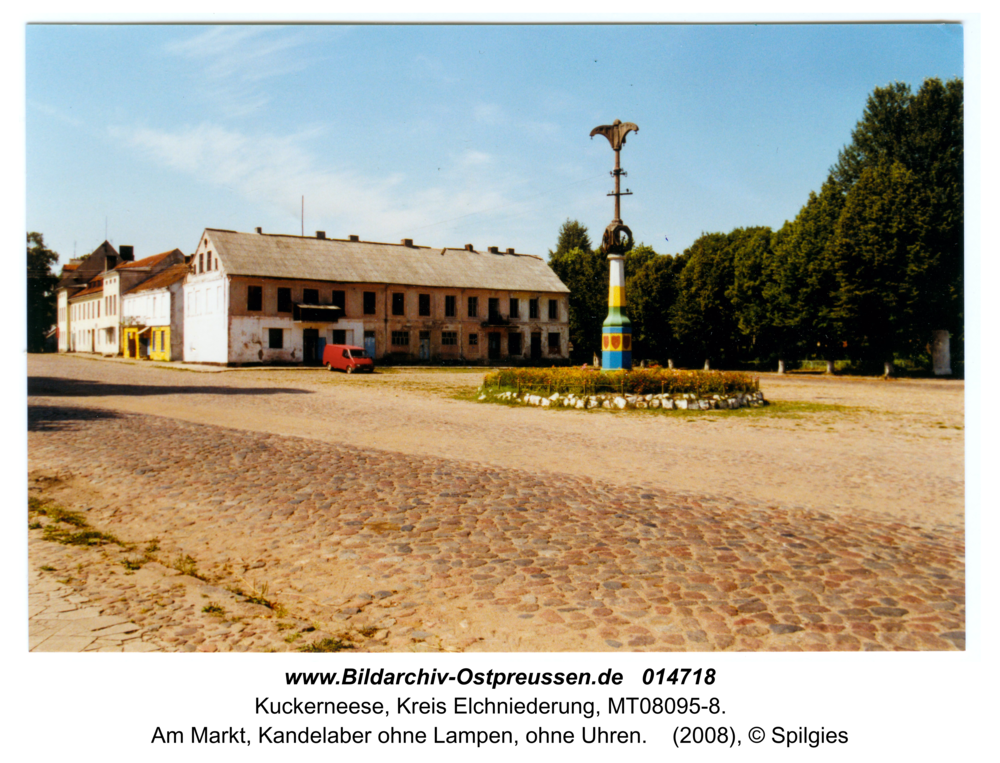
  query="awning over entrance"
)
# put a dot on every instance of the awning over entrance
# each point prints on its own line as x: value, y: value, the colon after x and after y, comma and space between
x: 316, y: 313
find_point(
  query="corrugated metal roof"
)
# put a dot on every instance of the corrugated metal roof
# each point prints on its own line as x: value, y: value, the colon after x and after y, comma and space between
x: 301, y: 258
x: 163, y: 279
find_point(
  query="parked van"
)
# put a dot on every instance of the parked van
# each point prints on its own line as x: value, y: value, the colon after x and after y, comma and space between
x: 347, y: 357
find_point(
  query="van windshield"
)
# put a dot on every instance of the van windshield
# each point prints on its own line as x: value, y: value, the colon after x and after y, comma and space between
x: 358, y: 354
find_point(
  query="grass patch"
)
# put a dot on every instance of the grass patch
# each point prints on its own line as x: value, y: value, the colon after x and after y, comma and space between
x: 89, y: 537
x: 327, y: 645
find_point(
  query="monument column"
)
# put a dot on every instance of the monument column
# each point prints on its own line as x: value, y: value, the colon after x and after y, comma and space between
x: 616, y: 335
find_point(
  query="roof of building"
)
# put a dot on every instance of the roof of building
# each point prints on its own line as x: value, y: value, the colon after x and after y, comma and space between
x: 322, y: 259
x: 78, y: 272
x: 148, y: 262
x: 94, y: 288
x: 163, y: 279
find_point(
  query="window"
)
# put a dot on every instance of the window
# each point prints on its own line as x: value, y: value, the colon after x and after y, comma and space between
x: 449, y: 338
x: 340, y: 336
x: 473, y: 340
x: 473, y: 307
x: 424, y: 304
x: 449, y: 306
x: 533, y: 309
x: 515, y: 307
x: 513, y: 344
x: 555, y: 347
x: 275, y: 339
x: 400, y: 338
x: 210, y: 265
x: 553, y: 309
x: 284, y: 299
x: 338, y: 299
x: 399, y: 306
x: 310, y: 296
x: 369, y: 302
x: 201, y: 262
x: 494, y: 308
x: 255, y: 298
x: 208, y: 260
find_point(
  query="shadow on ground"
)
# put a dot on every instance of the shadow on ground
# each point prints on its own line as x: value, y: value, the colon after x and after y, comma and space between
x: 48, y: 386
x: 43, y: 418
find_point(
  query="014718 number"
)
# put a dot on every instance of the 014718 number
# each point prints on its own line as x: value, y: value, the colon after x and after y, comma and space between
x: 678, y: 676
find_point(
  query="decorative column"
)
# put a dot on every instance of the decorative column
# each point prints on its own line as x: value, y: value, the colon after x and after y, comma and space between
x: 616, y: 335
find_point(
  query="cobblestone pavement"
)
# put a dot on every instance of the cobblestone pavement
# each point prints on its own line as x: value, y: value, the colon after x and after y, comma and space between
x: 305, y: 542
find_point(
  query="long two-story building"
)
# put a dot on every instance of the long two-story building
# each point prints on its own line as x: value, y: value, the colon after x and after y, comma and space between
x: 269, y: 298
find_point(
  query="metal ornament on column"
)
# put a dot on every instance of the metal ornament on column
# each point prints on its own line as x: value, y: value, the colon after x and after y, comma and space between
x: 616, y: 335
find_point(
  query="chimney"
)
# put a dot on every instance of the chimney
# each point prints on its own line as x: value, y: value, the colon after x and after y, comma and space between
x: 126, y: 253
x: 510, y: 250
x: 258, y: 230
x: 468, y: 248
x: 321, y: 234
x: 352, y: 237
x: 407, y: 242
x: 494, y: 250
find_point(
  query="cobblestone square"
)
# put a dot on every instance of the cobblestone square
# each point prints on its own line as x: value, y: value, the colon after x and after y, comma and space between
x: 268, y: 509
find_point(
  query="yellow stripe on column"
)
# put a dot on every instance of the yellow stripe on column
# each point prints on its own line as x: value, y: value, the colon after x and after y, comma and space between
x: 616, y: 297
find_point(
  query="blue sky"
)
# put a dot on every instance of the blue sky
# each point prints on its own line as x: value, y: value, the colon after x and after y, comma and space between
x: 445, y: 134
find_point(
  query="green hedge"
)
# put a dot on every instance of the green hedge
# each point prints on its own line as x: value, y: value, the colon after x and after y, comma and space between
x: 638, y: 381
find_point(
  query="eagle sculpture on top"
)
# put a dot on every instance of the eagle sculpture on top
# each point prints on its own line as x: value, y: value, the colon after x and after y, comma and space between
x: 615, y: 133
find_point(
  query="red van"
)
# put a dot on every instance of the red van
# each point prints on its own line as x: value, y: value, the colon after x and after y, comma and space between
x: 347, y: 357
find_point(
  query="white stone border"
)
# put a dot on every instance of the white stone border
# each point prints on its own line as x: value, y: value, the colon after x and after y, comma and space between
x: 617, y: 402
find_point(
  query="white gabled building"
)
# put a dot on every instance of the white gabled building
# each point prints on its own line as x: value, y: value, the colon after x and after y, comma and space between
x: 267, y: 298
x: 92, y: 317
x: 153, y: 316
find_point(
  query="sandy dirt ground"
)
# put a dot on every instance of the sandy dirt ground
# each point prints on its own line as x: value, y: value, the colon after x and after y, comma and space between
x: 892, y: 448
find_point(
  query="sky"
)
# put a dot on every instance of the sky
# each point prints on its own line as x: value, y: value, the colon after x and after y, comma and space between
x: 446, y: 134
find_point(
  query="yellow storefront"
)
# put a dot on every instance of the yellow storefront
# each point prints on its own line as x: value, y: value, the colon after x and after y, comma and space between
x: 150, y: 343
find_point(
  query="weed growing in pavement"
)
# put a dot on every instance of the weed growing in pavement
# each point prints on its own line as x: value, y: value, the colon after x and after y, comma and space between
x: 132, y: 564
x: 327, y: 645
x: 258, y: 596
x: 291, y: 638
x: 214, y: 609
x: 186, y: 565
x: 58, y: 517
x: 34, y: 525
x: 368, y: 631
x: 47, y: 568
x: 151, y: 548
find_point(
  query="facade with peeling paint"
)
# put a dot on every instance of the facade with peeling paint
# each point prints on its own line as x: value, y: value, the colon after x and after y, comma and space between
x: 263, y: 298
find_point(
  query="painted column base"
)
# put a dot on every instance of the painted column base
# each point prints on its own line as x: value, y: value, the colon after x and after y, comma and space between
x: 616, y: 349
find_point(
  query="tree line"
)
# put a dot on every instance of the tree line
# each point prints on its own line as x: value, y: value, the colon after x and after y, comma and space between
x: 868, y: 269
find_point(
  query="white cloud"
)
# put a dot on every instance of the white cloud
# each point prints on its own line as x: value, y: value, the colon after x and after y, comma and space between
x: 235, y: 60
x: 273, y: 172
